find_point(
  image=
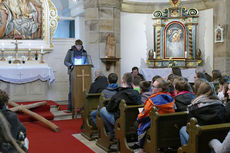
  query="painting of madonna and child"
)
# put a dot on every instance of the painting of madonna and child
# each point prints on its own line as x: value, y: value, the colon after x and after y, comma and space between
x: 20, y: 19
x: 175, y: 42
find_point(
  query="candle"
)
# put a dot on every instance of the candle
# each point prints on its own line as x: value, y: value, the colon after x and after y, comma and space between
x: 42, y: 50
x: 185, y: 54
x: 154, y: 55
x: 3, y: 46
x: 29, y: 46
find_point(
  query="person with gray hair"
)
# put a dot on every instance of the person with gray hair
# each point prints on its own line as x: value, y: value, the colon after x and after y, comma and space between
x: 99, y: 84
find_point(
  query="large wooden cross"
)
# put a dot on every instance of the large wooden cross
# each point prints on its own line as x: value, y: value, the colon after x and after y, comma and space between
x: 25, y: 109
x: 83, y: 75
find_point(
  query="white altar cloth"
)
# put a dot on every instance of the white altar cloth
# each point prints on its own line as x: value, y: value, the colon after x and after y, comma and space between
x: 24, y: 73
x: 149, y: 73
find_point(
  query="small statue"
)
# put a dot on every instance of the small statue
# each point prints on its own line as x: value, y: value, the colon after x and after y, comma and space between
x: 151, y: 54
x: 110, y: 45
x: 198, y: 54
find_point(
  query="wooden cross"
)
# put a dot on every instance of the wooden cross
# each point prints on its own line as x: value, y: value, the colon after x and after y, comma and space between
x: 83, y: 75
x: 25, y: 109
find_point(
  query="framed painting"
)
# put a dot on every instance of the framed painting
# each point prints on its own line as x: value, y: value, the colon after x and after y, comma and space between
x: 174, y: 40
x: 219, y: 32
x: 28, y: 20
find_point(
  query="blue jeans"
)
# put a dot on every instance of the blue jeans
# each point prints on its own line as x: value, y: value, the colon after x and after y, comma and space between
x: 183, y: 136
x: 93, y: 114
x: 69, y: 95
x: 109, y: 120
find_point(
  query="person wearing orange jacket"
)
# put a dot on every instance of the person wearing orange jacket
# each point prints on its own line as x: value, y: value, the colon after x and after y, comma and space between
x: 162, y: 100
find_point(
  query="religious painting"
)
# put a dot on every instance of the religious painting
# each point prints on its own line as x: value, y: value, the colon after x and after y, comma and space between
x: 20, y: 19
x: 175, y: 40
x: 219, y: 34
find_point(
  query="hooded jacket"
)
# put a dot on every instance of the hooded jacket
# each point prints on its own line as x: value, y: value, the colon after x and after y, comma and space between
x: 130, y: 96
x: 182, y: 100
x: 73, y: 52
x: 165, y: 104
x: 207, y: 111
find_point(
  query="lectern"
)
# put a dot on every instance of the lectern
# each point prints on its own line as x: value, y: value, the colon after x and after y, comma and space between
x: 80, y: 81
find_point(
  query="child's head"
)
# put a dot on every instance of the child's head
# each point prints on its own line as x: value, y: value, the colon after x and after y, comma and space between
x: 145, y: 86
x: 3, y: 98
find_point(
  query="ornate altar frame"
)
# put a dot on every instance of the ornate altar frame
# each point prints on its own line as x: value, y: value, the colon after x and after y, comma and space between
x: 174, y: 41
x: 49, y: 25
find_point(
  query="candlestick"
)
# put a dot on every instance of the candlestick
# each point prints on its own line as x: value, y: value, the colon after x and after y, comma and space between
x: 154, y: 55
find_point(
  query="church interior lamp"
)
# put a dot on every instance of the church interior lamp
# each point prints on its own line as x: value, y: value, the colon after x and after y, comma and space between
x: 174, y: 31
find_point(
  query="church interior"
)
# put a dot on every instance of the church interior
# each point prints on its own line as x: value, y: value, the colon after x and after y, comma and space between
x: 54, y: 88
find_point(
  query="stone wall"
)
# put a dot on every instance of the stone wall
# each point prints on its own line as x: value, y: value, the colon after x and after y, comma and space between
x: 101, y: 18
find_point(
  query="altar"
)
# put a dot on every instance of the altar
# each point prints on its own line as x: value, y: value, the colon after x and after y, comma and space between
x: 26, y: 82
x: 149, y: 73
x: 25, y: 73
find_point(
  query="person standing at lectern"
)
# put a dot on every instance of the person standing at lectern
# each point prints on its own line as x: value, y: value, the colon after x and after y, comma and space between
x: 77, y: 55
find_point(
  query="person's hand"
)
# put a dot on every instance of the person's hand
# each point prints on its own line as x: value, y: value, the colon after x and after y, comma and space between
x: 71, y: 67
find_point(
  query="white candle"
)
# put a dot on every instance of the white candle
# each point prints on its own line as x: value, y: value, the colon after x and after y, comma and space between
x: 185, y: 54
x: 42, y: 50
x: 3, y: 46
x: 29, y: 46
x: 154, y: 55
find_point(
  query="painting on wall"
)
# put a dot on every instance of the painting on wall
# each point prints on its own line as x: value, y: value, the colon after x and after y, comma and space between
x: 21, y: 19
x: 219, y: 34
x: 175, y: 40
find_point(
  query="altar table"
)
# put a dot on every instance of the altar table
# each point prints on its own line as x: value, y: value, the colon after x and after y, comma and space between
x: 149, y: 73
x: 24, y: 73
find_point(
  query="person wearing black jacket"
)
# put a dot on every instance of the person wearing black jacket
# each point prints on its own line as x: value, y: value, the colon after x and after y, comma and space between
x: 111, y: 112
x: 184, y: 95
x: 99, y: 84
x: 206, y: 108
x: 15, y: 125
x: 77, y: 51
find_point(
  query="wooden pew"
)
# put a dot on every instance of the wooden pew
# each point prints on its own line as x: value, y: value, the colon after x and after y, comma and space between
x: 103, y: 140
x: 91, y: 103
x: 124, y: 126
x: 199, y: 136
x: 164, y: 130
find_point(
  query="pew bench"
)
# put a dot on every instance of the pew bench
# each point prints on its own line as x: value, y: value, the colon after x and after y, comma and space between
x: 91, y: 103
x: 164, y: 130
x: 199, y: 136
x: 124, y: 126
x: 103, y: 140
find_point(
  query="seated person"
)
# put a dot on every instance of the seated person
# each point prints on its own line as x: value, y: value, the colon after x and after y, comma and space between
x: 206, y: 107
x: 199, y: 75
x: 176, y: 71
x: 136, y: 83
x: 221, y: 90
x: 219, y: 147
x: 184, y: 96
x: 108, y: 92
x: 15, y: 125
x: 145, y: 90
x: 99, y: 84
x: 135, y: 72
x: 111, y: 112
x: 160, y: 98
